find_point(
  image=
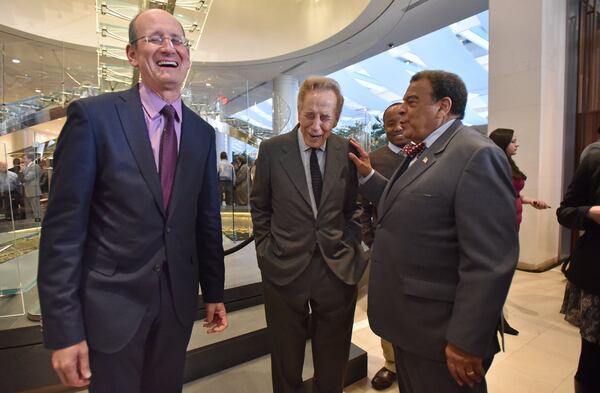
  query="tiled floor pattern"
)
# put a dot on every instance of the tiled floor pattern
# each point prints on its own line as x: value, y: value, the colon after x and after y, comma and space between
x: 541, y: 359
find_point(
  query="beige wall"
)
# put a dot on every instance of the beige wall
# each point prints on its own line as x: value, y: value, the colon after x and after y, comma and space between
x: 526, y: 93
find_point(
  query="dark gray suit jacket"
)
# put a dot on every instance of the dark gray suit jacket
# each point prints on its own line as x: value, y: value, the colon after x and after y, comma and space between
x: 445, y: 248
x: 285, y: 227
x: 384, y: 161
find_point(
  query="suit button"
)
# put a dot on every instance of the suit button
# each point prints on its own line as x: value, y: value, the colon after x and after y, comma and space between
x: 168, y: 229
x: 156, y: 268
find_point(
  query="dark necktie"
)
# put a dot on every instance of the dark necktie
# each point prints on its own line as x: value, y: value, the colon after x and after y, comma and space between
x: 410, y: 150
x: 168, y: 154
x: 315, y: 176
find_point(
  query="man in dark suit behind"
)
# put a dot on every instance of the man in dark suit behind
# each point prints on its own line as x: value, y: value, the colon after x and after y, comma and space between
x: 384, y: 160
x: 307, y: 241
x: 446, y: 243
x: 132, y: 227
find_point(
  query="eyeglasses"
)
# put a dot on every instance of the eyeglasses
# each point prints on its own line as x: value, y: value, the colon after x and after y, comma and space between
x: 159, y: 40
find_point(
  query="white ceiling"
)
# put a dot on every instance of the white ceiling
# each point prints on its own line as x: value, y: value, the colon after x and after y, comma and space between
x: 246, y: 44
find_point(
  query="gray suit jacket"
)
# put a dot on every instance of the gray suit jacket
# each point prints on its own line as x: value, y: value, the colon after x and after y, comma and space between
x: 31, y: 180
x: 285, y: 227
x: 445, y: 248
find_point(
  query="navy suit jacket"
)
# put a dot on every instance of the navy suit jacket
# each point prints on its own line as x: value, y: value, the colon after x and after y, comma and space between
x: 106, y: 234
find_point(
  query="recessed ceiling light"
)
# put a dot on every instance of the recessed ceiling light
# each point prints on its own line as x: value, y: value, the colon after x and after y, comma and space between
x: 38, y: 91
x: 16, y: 61
x: 208, y: 84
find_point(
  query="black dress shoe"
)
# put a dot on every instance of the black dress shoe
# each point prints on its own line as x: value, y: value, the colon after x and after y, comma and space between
x: 383, y: 379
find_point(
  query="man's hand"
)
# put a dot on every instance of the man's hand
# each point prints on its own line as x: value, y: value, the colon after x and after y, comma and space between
x: 362, y: 162
x: 464, y: 367
x: 594, y: 214
x: 72, y: 365
x: 539, y: 204
x: 216, y: 317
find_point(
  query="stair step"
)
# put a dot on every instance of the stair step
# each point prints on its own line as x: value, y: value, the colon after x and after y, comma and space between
x: 254, y: 376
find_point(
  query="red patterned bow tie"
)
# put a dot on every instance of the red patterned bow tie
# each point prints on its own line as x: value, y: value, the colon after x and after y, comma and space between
x: 412, y: 149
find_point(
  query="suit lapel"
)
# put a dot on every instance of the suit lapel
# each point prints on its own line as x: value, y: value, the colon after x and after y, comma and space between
x: 333, y: 166
x: 292, y: 164
x: 135, y: 129
x: 399, y: 181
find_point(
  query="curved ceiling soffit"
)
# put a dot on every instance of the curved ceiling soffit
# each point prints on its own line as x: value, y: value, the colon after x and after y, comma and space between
x: 303, y: 27
x: 309, y: 32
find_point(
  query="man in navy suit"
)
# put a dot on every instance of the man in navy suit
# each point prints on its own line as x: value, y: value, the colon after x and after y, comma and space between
x: 132, y: 227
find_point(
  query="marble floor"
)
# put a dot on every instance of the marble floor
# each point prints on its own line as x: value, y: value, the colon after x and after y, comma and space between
x: 541, y: 359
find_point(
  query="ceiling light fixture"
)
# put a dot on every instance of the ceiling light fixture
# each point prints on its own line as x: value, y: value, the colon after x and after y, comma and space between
x: 16, y: 61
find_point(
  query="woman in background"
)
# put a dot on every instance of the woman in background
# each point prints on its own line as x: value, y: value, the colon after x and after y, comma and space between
x: 241, y: 181
x: 580, y: 210
x: 505, y: 139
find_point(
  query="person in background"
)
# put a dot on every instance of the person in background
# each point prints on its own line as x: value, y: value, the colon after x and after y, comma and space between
x: 445, y: 249
x: 44, y: 177
x: 16, y: 168
x: 305, y: 213
x: 31, y: 185
x: 241, y: 181
x: 580, y: 211
x: 133, y: 227
x: 226, y: 179
x: 19, y: 212
x: 9, y: 181
x: 384, y: 160
x: 507, y: 141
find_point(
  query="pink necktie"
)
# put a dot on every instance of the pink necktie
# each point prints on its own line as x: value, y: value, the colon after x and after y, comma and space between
x: 168, y: 154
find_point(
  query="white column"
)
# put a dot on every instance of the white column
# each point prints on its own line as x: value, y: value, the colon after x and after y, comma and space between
x: 285, y: 95
x: 526, y: 93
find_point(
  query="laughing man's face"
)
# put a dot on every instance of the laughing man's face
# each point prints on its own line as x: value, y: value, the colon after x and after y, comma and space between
x: 162, y: 67
x: 317, y: 117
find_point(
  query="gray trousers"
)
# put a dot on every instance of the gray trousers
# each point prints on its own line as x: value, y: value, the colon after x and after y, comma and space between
x: 332, y: 304
x: 33, y: 203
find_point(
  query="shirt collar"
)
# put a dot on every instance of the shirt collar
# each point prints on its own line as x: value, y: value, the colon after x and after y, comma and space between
x: 304, y: 146
x: 394, y: 148
x: 431, y: 138
x: 153, y: 103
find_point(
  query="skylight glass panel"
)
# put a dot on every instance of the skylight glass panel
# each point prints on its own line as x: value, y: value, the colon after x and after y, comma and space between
x: 375, y: 89
x: 390, y: 96
x: 261, y: 113
x: 464, y: 25
x: 356, y: 68
x: 476, y: 39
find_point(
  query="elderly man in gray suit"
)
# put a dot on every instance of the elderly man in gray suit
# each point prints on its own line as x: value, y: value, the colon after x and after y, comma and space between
x: 446, y: 243
x: 304, y: 213
x: 31, y: 185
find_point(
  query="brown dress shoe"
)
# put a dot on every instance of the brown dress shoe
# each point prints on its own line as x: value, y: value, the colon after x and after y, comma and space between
x: 383, y: 379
